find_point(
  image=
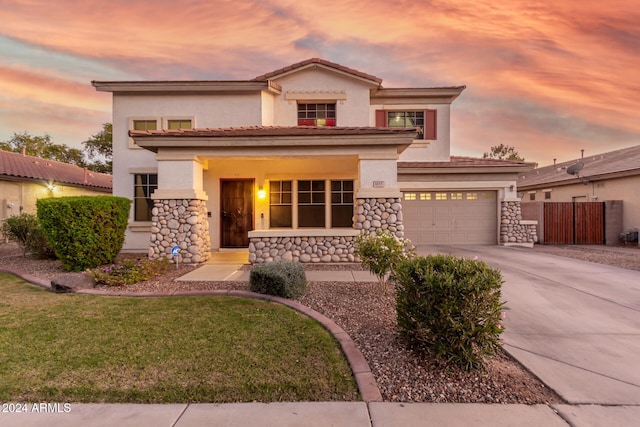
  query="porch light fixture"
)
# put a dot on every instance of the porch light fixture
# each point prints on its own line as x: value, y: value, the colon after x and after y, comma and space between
x: 261, y: 193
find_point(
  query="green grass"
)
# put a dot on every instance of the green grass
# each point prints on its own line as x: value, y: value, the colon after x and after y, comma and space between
x: 81, y: 348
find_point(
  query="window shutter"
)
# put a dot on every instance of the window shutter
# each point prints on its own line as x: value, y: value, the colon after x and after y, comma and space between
x: 381, y: 118
x: 430, y: 127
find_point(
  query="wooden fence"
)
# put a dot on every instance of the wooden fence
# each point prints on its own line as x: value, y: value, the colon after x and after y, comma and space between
x: 574, y: 223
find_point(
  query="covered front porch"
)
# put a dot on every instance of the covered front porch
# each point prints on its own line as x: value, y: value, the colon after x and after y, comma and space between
x: 301, y: 194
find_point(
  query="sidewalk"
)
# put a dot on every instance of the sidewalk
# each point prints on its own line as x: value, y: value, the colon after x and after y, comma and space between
x: 322, y: 414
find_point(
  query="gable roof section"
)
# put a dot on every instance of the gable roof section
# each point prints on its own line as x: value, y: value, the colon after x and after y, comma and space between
x: 618, y: 163
x: 460, y: 164
x: 16, y: 167
x: 318, y: 62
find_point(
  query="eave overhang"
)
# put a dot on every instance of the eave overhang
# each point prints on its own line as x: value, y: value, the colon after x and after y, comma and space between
x: 195, y: 86
x: 436, y: 95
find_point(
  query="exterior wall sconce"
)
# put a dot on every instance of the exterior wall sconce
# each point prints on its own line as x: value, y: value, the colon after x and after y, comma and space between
x: 511, y: 187
x: 261, y: 193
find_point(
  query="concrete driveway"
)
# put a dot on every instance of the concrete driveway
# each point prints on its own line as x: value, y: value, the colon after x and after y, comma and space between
x: 574, y: 324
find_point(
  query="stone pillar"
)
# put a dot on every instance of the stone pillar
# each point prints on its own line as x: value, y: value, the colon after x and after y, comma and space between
x: 180, y: 222
x: 513, y: 230
x: 373, y: 214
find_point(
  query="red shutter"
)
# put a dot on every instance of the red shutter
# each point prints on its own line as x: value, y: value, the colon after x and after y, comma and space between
x: 381, y: 118
x: 430, y: 128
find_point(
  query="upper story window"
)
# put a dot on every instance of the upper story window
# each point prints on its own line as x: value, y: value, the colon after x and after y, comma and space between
x: 406, y: 119
x: 145, y: 124
x: 179, y: 124
x: 316, y: 114
x: 424, y: 120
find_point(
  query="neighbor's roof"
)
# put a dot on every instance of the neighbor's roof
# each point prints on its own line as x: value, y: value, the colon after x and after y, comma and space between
x: 313, y: 62
x: 18, y: 167
x: 471, y: 164
x: 613, y: 164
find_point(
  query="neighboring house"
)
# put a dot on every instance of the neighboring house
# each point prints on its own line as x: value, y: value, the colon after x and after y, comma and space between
x: 25, y: 179
x: 297, y: 162
x: 608, y: 176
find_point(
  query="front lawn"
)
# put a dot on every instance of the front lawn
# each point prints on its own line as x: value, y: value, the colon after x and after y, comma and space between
x: 80, y: 348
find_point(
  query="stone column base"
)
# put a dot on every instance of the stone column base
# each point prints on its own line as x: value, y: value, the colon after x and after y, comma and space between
x: 514, y: 231
x: 183, y: 223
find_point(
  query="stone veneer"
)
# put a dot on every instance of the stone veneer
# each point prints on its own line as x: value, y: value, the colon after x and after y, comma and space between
x: 370, y: 215
x: 183, y: 223
x: 513, y: 230
x: 302, y: 249
x: 379, y: 214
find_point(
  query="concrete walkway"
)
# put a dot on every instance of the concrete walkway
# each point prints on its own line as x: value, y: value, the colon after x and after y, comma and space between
x: 573, y: 324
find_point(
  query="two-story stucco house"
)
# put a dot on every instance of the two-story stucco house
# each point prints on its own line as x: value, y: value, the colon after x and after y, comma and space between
x: 295, y: 163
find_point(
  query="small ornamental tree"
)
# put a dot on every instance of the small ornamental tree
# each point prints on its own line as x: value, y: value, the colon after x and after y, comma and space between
x: 85, y: 231
x: 381, y: 252
x: 25, y: 230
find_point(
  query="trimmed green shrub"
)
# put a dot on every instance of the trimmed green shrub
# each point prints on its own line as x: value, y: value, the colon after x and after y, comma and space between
x: 85, y: 231
x: 128, y: 272
x: 381, y: 252
x: 25, y: 230
x: 450, y: 305
x: 279, y: 278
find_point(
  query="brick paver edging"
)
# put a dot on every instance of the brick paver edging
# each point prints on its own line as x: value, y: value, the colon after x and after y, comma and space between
x: 364, y: 377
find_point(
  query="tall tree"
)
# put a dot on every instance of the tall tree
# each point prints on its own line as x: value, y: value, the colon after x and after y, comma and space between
x: 503, y: 152
x: 99, y: 150
x: 43, y: 147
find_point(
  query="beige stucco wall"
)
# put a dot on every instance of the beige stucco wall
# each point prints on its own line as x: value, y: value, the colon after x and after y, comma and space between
x: 15, y: 194
x: 205, y: 110
x: 626, y: 189
x: 352, y: 111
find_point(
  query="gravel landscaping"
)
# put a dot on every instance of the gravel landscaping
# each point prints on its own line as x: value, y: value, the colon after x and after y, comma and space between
x: 367, y: 314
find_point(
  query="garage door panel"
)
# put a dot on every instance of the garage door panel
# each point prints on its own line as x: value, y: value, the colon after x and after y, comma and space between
x: 451, y: 218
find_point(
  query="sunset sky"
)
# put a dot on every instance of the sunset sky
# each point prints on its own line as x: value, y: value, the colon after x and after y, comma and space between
x: 547, y: 77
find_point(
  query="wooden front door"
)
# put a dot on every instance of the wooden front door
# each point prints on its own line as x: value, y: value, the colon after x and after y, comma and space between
x: 236, y: 216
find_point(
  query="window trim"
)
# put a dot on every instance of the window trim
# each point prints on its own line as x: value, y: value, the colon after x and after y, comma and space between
x: 133, y: 119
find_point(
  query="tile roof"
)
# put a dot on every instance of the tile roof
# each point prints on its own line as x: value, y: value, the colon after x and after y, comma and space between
x: 465, y: 162
x: 15, y: 166
x: 625, y: 161
x: 250, y: 131
x: 318, y: 61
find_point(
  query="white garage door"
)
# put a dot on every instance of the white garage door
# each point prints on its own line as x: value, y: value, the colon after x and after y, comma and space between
x: 452, y: 217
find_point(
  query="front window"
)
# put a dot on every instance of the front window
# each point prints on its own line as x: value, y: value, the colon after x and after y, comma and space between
x: 280, y: 203
x: 311, y: 202
x: 341, y: 203
x: 143, y: 186
x: 407, y: 119
x: 317, y: 115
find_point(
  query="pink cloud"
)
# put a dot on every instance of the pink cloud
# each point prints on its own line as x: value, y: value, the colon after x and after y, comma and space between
x: 568, y: 67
